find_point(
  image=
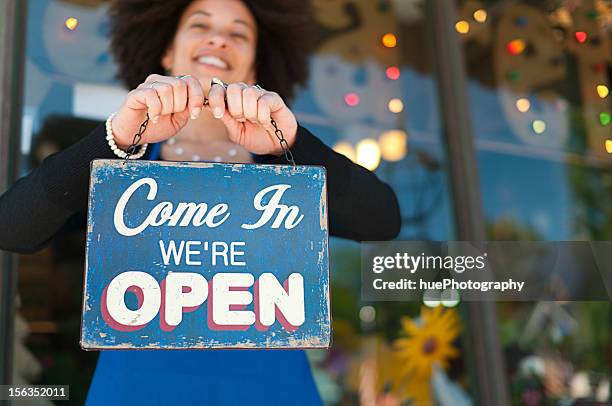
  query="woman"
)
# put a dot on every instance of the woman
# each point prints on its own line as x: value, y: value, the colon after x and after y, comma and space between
x: 185, y: 44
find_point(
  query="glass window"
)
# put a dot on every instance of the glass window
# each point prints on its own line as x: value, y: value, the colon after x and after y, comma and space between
x: 372, y: 96
x: 68, y: 73
x: 539, y: 78
x: 540, y: 108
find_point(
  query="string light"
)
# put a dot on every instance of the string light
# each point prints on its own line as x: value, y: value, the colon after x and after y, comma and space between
x: 346, y: 149
x: 516, y: 46
x: 393, y: 72
x: 604, y: 118
x: 602, y: 91
x: 368, y: 154
x: 393, y: 145
x: 396, y: 105
x: 389, y: 40
x: 351, y: 99
x: 480, y: 15
x: 539, y: 126
x: 71, y: 23
x: 523, y: 105
x: 462, y: 27
x: 581, y: 36
x: 609, y: 146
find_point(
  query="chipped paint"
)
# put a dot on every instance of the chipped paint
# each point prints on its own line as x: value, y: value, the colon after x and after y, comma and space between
x: 323, y: 208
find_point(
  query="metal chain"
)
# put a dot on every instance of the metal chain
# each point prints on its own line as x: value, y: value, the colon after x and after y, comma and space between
x: 137, y: 137
x: 283, y: 143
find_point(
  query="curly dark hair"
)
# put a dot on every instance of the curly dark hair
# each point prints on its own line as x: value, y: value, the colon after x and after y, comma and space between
x: 142, y: 30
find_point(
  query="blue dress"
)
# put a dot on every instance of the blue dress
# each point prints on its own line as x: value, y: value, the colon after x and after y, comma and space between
x: 202, y: 377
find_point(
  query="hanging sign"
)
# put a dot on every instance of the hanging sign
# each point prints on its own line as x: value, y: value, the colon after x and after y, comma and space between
x: 206, y: 255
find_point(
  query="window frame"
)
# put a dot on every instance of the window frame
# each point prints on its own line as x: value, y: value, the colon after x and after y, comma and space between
x: 12, y: 57
x: 486, y: 358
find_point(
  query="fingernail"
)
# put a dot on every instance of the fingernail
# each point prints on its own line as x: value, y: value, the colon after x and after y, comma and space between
x: 195, y: 112
x: 218, y: 112
x: 155, y: 119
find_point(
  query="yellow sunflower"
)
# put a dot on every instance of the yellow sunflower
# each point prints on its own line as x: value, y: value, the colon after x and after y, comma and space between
x: 429, y: 341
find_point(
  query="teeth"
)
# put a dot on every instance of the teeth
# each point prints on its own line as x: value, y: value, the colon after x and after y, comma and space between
x: 213, y: 60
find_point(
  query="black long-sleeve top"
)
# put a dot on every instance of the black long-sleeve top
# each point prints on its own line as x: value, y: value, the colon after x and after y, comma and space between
x: 360, y: 206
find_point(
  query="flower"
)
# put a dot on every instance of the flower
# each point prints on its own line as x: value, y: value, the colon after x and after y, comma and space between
x: 429, y: 341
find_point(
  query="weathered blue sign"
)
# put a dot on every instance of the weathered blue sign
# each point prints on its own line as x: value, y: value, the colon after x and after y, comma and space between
x: 203, y: 255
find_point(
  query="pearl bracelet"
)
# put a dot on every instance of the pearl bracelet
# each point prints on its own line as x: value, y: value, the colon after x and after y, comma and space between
x: 110, y: 138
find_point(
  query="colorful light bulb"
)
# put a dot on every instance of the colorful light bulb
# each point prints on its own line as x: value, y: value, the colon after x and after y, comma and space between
x: 602, y: 91
x: 396, y: 105
x: 351, y: 99
x: 581, y: 36
x: 393, y: 72
x: 71, y: 23
x: 516, y: 46
x: 462, y: 27
x: 480, y: 15
x: 523, y: 105
x: 389, y: 40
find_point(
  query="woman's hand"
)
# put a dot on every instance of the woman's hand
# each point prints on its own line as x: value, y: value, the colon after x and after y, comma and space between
x: 169, y: 101
x: 248, y: 115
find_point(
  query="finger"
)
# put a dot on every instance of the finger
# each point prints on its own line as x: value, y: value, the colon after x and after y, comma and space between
x: 250, y: 96
x: 179, y: 92
x: 154, y: 77
x: 274, y: 101
x: 263, y: 113
x: 232, y: 126
x: 166, y: 95
x: 195, y: 96
x: 145, y: 98
x: 234, y: 100
x: 154, y: 105
x: 216, y: 100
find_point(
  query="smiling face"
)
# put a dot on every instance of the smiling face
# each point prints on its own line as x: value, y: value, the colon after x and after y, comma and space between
x: 214, y: 38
